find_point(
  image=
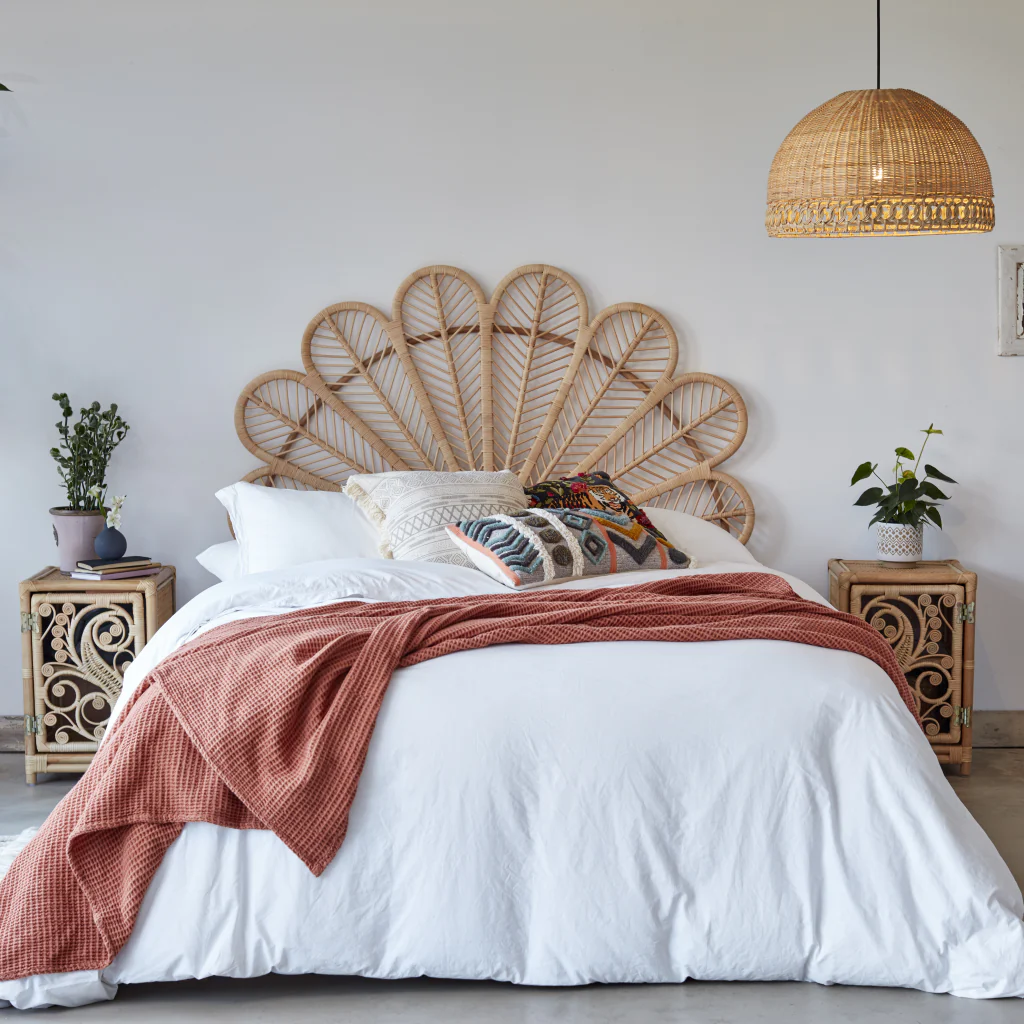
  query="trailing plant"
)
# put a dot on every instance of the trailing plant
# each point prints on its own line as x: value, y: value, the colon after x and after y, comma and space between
x: 84, y: 452
x: 911, y: 499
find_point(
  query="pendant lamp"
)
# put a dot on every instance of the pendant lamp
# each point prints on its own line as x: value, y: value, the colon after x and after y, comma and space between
x: 879, y: 162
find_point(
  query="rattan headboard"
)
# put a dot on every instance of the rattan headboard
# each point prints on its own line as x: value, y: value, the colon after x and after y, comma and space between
x: 524, y: 381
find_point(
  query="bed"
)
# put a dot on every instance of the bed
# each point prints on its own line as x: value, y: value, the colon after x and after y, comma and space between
x: 624, y: 811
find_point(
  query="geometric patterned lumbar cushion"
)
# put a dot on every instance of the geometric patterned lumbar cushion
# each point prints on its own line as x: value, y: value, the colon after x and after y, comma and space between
x: 588, y: 490
x: 411, y: 509
x: 547, y: 545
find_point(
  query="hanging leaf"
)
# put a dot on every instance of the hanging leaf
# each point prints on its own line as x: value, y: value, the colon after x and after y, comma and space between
x: 933, y: 514
x: 932, y: 471
x: 862, y: 472
x: 907, y: 489
x: 905, y: 453
x: 933, y: 492
x: 870, y: 497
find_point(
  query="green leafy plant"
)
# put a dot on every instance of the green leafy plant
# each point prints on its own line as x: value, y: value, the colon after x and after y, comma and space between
x: 84, y: 452
x: 910, y: 499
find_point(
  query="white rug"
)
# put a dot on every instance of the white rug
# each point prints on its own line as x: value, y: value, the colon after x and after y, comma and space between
x: 11, y: 846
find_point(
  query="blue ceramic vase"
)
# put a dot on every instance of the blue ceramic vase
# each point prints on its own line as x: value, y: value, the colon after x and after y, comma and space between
x: 110, y: 543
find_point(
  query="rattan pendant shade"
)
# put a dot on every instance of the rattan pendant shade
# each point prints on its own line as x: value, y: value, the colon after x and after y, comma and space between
x: 879, y: 162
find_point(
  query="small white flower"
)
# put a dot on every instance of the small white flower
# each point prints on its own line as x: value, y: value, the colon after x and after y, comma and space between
x: 114, y: 515
x: 95, y: 492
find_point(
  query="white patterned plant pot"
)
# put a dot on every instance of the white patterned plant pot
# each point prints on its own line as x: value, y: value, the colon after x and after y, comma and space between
x: 898, y: 542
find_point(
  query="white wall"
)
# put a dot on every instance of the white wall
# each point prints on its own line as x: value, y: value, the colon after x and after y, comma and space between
x: 196, y: 179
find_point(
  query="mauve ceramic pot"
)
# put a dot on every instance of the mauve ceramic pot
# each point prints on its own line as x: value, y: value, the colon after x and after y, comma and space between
x: 75, y: 534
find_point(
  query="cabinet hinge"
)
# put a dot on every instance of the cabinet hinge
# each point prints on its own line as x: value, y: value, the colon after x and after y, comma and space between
x: 967, y: 612
x: 29, y: 622
x: 961, y: 716
x: 33, y: 724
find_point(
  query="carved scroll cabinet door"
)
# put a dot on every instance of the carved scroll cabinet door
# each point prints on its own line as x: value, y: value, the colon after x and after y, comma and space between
x: 81, y: 645
x: 924, y: 625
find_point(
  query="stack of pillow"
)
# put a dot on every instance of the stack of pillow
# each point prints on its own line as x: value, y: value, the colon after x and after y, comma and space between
x: 552, y: 531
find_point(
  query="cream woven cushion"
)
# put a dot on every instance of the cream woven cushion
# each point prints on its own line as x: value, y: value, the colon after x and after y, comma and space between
x: 412, y: 509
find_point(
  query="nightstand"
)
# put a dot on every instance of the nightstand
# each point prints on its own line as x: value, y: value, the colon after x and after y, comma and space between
x: 77, y: 638
x: 926, y: 612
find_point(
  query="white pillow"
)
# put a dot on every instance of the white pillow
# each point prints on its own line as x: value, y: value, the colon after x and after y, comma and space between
x: 223, y: 560
x: 277, y: 528
x: 412, y: 509
x: 704, y: 542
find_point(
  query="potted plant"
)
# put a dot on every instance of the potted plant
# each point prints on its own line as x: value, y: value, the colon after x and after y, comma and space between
x: 905, y: 505
x: 82, y: 458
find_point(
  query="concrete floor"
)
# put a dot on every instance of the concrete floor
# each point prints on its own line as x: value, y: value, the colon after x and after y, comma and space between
x: 21, y: 805
x: 994, y: 794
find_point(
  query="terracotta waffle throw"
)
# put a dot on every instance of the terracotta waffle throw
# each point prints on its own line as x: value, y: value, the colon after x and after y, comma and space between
x: 264, y: 723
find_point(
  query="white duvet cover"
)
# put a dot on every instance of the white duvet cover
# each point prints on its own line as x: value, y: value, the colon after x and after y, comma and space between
x: 611, y: 812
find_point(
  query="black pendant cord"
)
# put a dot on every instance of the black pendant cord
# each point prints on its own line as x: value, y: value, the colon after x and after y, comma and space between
x: 878, y: 44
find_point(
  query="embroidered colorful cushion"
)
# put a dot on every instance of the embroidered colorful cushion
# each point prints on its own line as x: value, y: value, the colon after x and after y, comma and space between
x: 589, y: 490
x: 536, y: 546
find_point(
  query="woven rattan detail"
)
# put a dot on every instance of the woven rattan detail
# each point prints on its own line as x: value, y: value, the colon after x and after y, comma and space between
x: 81, y: 646
x: 879, y: 161
x: 523, y: 381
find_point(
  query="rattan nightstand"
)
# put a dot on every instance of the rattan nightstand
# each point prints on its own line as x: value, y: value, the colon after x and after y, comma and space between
x: 926, y: 611
x: 77, y: 638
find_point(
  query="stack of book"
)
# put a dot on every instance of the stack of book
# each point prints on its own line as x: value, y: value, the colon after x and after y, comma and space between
x: 115, y: 568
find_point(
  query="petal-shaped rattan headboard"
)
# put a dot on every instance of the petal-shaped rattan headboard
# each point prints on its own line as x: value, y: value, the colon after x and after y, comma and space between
x: 525, y: 381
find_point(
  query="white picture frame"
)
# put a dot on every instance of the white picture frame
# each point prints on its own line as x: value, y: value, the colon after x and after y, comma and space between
x: 1011, y: 300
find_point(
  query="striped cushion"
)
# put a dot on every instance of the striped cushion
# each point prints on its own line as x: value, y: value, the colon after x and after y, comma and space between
x: 535, y: 546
